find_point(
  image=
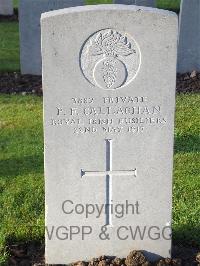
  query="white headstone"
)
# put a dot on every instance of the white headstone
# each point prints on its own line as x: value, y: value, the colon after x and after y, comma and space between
x: 30, y: 34
x: 109, y: 96
x: 151, y: 3
x: 189, y: 37
x: 6, y: 7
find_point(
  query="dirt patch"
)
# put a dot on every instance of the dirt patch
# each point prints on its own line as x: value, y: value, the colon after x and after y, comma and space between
x: 14, y: 17
x: 188, y: 82
x: 13, y: 83
x: 26, y: 254
x: 32, y: 254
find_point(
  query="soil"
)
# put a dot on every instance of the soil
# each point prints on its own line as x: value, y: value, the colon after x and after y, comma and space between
x: 32, y: 254
x: 9, y: 18
x: 14, y: 82
x: 188, y: 82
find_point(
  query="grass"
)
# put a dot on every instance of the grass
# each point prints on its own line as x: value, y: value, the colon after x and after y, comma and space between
x: 165, y: 4
x: 187, y: 171
x: 15, y: 3
x: 21, y: 170
x: 9, y: 46
x: 22, y: 181
x: 173, y: 5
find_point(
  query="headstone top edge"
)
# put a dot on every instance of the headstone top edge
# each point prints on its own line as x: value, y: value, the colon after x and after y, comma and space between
x: 107, y: 7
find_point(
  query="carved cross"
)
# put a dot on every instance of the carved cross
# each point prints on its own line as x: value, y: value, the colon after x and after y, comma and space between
x: 108, y: 174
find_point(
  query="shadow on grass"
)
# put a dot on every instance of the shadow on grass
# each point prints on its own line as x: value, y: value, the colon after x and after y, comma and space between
x: 34, y: 164
x: 187, y: 143
x: 187, y: 235
x: 21, y: 166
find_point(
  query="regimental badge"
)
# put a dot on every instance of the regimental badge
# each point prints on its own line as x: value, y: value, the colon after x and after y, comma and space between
x: 110, y: 59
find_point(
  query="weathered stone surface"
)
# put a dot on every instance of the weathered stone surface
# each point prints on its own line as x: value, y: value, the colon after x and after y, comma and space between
x: 109, y: 96
x: 30, y: 36
x: 151, y: 3
x: 189, y: 36
x: 6, y: 7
